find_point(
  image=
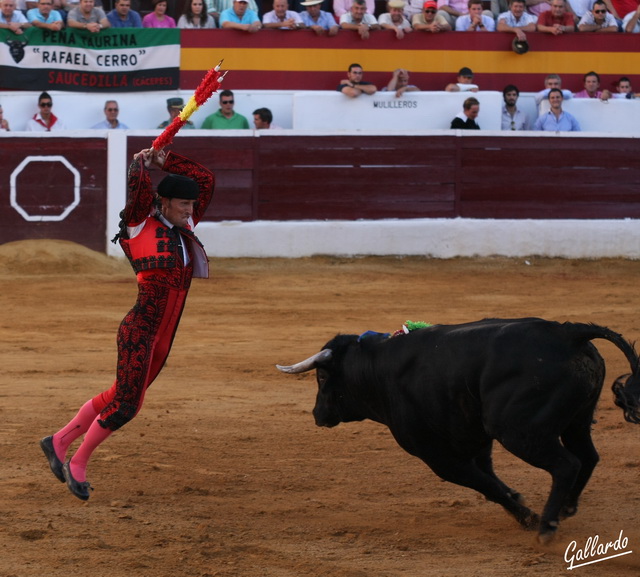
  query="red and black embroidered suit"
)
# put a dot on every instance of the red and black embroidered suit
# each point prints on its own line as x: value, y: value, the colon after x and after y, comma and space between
x: 157, y: 252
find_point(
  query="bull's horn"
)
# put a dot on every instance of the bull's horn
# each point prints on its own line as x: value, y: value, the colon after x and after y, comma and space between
x: 308, y: 364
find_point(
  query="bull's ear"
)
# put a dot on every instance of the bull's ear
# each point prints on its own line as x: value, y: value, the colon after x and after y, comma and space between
x: 308, y: 364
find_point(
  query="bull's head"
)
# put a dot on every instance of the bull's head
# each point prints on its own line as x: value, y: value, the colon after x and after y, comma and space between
x: 334, y: 401
x: 16, y: 49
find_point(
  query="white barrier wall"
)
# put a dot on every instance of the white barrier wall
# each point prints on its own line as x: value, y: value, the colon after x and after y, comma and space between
x: 321, y: 110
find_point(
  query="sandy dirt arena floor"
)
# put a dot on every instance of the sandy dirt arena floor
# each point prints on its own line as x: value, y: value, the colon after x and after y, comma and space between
x: 224, y: 473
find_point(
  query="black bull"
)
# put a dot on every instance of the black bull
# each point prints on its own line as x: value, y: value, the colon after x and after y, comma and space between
x: 446, y: 392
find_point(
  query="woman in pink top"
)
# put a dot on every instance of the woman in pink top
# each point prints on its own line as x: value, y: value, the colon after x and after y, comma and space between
x: 158, y: 18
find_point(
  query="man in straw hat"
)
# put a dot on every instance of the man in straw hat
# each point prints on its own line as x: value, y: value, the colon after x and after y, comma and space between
x: 318, y: 20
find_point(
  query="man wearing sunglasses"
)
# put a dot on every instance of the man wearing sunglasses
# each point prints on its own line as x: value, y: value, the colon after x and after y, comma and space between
x: 598, y: 20
x: 111, y: 121
x: 44, y: 120
x: 429, y: 20
x: 226, y: 118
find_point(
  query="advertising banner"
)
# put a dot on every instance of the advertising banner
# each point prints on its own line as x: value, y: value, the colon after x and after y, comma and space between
x: 119, y: 60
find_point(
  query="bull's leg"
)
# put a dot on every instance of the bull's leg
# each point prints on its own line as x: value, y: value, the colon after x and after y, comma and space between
x: 562, y: 465
x: 467, y: 473
x: 578, y: 441
x: 485, y: 463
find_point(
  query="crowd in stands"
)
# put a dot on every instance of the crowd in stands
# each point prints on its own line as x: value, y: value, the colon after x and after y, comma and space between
x: 329, y: 16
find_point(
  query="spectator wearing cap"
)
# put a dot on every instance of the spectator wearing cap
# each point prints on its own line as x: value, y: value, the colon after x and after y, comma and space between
x: 226, y: 118
x: 216, y: 7
x: 466, y: 120
x: 240, y: 17
x: 558, y: 20
x: 598, y: 20
x: 631, y: 22
x: 464, y: 82
x: 320, y: 21
x: 516, y: 20
x: 281, y: 18
x: 512, y: 117
x: 174, y: 106
x: 451, y: 10
x: 430, y: 19
x: 353, y: 86
x: 394, y: 19
x: 123, y: 17
x: 341, y: 7
x: 357, y: 19
x: 475, y: 20
x: 43, y: 16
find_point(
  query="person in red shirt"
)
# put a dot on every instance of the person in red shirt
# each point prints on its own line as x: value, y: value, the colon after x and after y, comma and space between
x: 558, y: 20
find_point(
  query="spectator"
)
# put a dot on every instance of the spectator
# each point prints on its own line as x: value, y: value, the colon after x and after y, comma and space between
x: 320, y: 21
x: 464, y: 82
x: 263, y: 120
x: 498, y: 7
x: 226, y: 118
x: 624, y: 89
x: 538, y: 7
x: 158, y: 18
x: 413, y: 7
x: 341, y: 7
x: 217, y: 7
x: 4, y: 123
x: 239, y: 17
x: 12, y: 19
x: 516, y: 20
x: 123, y: 17
x: 110, y: 121
x: 174, y: 107
x: 466, y: 120
x: 86, y: 16
x: 598, y: 20
x: 552, y: 81
x: 45, y: 17
x: 512, y: 117
x: 354, y: 86
x: 44, y: 120
x: 281, y: 17
x: 475, y: 20
x: 195, y: 16
x: 620, y: 8
x: 399, y: 83
x: 556, y: 120
x: 631, y: 22
x: 592, y: 88
x: 394, y: 19
x: 357, y: 19
x: 558, y: 20
x: 430, y: 19
x: 580, y: 7
x: 451, y: 10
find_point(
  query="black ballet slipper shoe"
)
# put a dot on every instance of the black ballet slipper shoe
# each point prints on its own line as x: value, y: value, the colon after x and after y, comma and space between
x: 46, y: 445
x: 80, y: 490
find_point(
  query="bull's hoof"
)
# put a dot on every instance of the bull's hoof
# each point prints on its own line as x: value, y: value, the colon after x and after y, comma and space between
x: 547, y: 532
x: 531, y: 522
x: 568, y: 511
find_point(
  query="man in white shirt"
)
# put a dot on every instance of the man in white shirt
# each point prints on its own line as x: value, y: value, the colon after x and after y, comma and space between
x: 359, y: 20
x: 281, y: 17
x: 512, y: 117
x: 517, y: 20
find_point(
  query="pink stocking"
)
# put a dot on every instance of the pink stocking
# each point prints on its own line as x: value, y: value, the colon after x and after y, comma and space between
x: 77, y: 426
x: 78, y: 464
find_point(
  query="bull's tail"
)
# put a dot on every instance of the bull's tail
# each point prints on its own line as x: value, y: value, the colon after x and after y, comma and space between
x: 626, y: 388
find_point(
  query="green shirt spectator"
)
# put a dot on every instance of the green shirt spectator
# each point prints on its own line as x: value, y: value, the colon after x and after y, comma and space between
x: 226, y: 118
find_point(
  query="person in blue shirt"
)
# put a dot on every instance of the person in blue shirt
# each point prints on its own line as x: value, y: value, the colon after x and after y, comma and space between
x: 239, y: 17
x: 318, y: 20
x: 556, y: 120
x: 45, y: 17
x: 123, y: 17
